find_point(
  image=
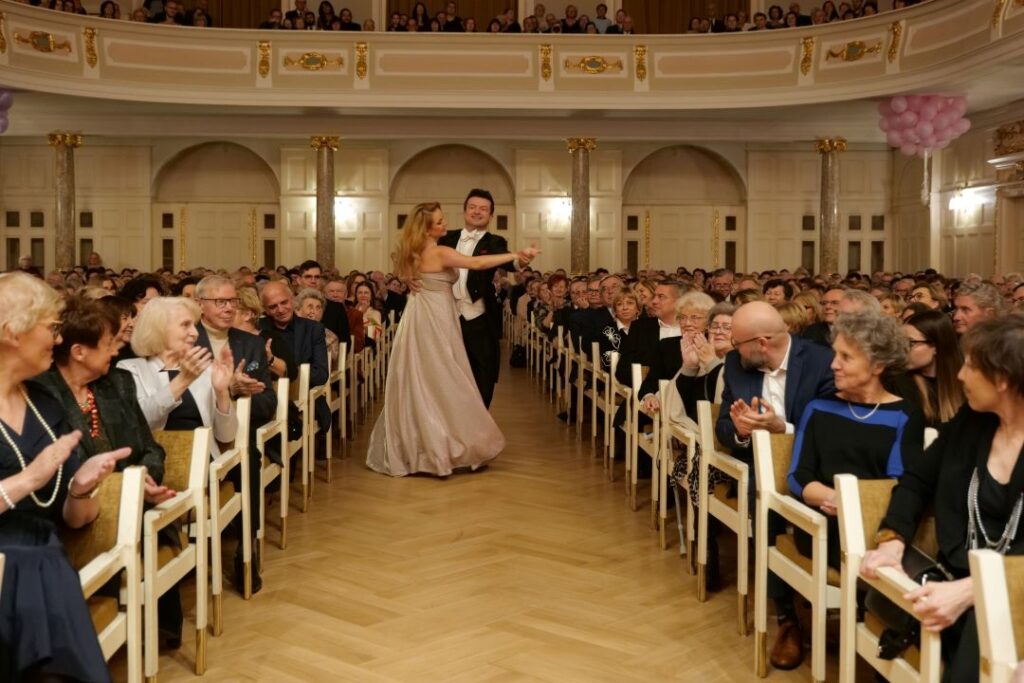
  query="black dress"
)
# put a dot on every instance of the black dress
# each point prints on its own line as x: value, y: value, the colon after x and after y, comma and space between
x: 45, y: 627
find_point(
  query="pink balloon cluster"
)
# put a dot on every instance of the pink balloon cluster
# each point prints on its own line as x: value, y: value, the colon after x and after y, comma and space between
x: 918, y: 124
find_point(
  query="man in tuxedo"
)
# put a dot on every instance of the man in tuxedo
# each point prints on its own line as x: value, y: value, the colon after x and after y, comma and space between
x: 335, y: 316
x: 770, y: 377
x: 218, y: 302
x: 646, y: 336
x: 475, y: 298
x: 298, y: 12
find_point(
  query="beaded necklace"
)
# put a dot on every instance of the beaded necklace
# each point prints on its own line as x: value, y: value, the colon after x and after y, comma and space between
x: 88, y: 407
x: 976, y: 527
x: 21, y: 458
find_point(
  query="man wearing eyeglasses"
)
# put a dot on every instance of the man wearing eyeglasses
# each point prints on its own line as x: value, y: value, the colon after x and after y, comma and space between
x: 335, y: 317
x: 770, y: 377
x: 218, y: 303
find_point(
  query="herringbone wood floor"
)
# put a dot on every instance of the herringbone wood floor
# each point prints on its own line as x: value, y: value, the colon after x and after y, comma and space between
x: 533, y: 569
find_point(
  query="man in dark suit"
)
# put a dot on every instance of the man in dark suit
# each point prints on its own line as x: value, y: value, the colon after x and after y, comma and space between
x: 645, y: 336
x: 299, y: 11
x: 218, y: 302
x: 475, y: 298
x: 770, y: 378
x: 335, y: 316
x: 306, y: 339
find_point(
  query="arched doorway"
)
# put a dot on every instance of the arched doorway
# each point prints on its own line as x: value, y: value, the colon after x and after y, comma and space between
x: 445, y: 174
x: 682, y: 197
x: 215, y: 205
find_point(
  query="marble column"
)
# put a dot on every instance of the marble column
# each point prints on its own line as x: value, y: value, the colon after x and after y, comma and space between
x: 580, y: 149
x: 828, y: 244
x: 325, y: 146
x: 64, y: 145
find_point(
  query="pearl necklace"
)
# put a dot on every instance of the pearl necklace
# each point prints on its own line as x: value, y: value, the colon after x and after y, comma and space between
x: 21, y: 458
x: 854, y: 413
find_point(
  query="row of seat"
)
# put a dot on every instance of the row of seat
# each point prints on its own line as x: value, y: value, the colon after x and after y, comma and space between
x: 577, y: 378
x: 130, y: 541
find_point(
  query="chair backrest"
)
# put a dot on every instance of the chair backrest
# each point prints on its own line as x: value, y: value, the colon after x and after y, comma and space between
x: 82, y: 545
x: 1014, y: 568
x: 300, y: 389
x: 188, y: 453
x: 243, y: 414
x: 707, y: 416
x: 999, y: 602
x: 781, y: 454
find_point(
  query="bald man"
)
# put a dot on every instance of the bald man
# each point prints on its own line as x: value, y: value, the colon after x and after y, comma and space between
x: 770, y: 377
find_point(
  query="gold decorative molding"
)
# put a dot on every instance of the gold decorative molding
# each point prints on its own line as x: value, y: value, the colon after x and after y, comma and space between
x: 252, y: 236
x: 362, y: 51
x: 573, y: 144
x: 647, y: 239
x: 716, y: 238
x: 1010, y: 139
x: 593, y: 65
x: 826, y: 145
x: 545, y: 62
x: 997, y: 13
x: 640, y: 57
x: 314, y: 61
x: 90, y: 46
x: 854, y: 51
x: 71, y: 140
x: 895, y: 35
x: 41, y: 41
x: 182, y: 229
x: 807, y: 60
x: 3, y: 35
x: 332, y: 142
x: 264, y: 49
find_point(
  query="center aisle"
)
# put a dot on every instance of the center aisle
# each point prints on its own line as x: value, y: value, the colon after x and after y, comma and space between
x: 533, y: 569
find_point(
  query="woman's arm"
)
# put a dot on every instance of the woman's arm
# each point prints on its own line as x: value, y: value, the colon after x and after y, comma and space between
x: 450, y: 258
x: 155, y: 407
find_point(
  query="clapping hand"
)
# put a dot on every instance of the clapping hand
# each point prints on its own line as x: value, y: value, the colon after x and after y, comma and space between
x: 44, y: 466
x: 691, y: 358
x: 194, y: 362
x: 223, y: 370
x: 524, y: 256
x: 244, y: 385
x: 705, y: 351
x: 95, y: 469
x: 157, y: 493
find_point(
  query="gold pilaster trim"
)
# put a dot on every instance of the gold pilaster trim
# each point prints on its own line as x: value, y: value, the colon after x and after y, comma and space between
x: 545, y: 62
x: 640, y: 57
x: 71, y: 140
x: 895, y: 35
x: 716, y: 238
x: 41, y: 41
x: 997, y: 13
x: 854, y: 51
x: 573, y: 144
x: 182, y: 231
x: 594, y: 64
x: 91, y: 57
x: 362, y: 53
x: 647, y: 239
x: 314, y: 61
x: 3, y: 34
x: 825, y: 145
x: 1010, y: 139
x: 332, y: 142
x: 263, y: 47
x: 996, y: 232
x: 807, y: 60
x: 252, y: 236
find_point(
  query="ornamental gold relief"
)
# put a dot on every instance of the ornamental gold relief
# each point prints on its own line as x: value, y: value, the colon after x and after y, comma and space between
x: 807, y: 59
x: 593, y: 65
x: 64, y: 140
x: 573, y: 144
x: 264, y: 64
x: 91, y: 57
x: 40, y: 41
x: 826, y: 145
x: 3, y: 35
x: 313, y: 61
x: 895, y: 35
x: 997, y: 13
x: 640, y: 58
x: 545, y: 62
x: 331, y: 142
x: 854, y: 51
x: 1009, y: 139
x: 362, y: 53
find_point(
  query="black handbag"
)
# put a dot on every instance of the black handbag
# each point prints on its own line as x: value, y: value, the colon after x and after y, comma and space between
x: 901, y: 629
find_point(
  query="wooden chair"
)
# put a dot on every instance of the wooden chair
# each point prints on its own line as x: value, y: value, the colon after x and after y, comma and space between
x: 226, y: 503
x: 809, y: 576
x: 670, y: 432
x: 644, y: 441
x: 336, y: 401
x: 595, y: 391
x: 618, y: 394
x: 104, y: 549
x: 560, y: 361
x: 999, y: 607
x: 270, y: 470
x: 583, y: 378
x: 731, y: 512
x: 298, y: 394
x: 186, y: 470
x: 571, y: 357
x: 317, y: 392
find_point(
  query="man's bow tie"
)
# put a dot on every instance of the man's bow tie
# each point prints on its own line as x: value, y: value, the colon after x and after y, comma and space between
x: 471, y: 236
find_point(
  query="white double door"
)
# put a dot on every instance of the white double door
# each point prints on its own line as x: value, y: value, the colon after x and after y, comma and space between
x: 214, y: 235
x: 684, y: 235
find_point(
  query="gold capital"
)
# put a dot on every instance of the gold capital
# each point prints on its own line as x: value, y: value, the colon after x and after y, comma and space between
x: 65, y: 140
x: 330, y: 141
x: 573, y: 144
x: 825, y: 145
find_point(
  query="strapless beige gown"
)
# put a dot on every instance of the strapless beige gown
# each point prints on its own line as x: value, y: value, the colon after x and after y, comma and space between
x: 433, y: 419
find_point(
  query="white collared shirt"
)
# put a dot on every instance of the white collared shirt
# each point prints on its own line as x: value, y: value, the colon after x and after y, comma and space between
x: 468, y: 308
x: 668, y: 331
x: 774, y: 388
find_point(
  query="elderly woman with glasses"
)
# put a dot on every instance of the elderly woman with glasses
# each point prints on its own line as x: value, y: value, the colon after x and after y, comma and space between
x: 309, y: 304
x: 45, y: 629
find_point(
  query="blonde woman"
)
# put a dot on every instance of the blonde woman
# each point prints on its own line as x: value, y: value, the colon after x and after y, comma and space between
x: 434, y: 419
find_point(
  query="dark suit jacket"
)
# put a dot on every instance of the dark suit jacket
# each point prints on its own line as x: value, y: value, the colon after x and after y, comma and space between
x: 641, y: 347
x: 251, y: 349
x: 123, y: 422
x: 819, y: 333
x: 808, y: 376
x: 665, y: 363
x: 309, y: 345
x: 480, y: 283
x: 336, y: 319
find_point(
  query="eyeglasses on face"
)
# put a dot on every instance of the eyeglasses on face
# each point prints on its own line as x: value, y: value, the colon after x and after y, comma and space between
x: 223, y: 303
x: 694, y: 319
x: 737, y: 344
x: 720, y: 327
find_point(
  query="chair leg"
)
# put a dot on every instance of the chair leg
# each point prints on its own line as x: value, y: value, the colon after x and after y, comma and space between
x: 702, y: 584
x: 218, y: 613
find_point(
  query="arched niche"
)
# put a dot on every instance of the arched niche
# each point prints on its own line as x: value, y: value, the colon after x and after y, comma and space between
x: 446, y: 173
x: 216, y: 172
x: 683, y: 174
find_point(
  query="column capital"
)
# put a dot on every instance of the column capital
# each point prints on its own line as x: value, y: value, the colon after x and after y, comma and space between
x: 332, y: 142
x: 65, y: 139
x: 573, y: 144
x: 825, y: 145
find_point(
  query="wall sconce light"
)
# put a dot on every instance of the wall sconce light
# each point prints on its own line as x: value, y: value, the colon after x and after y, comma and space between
x: 562, y: 209
x: 966, y: 199
x: 344, y: 209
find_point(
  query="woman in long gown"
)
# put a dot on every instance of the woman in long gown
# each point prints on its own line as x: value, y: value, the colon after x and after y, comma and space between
x: 434, y: 420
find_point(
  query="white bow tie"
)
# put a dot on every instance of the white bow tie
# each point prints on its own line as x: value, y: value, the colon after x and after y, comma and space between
x: 471, y: 236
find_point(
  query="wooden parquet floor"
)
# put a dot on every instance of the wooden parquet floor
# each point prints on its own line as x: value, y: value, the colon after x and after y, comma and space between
x: 531, y: 570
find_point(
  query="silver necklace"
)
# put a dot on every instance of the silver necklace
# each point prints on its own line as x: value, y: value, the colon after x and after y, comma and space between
x: 975, y: 525
x: 854, y: 413
x: 21, y: 458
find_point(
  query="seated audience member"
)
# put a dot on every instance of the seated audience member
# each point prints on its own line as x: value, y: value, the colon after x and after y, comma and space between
x: 124, y: 310
x: 309, y: 304
x: 794, y: 316
x: 776, y: 17
x: 721, y: 284
x: 892, y: 305
x: 931, y: 296
x: 110, y: 10
x: 305, y: 338
x: 601, y: 20
x: 644, y: 290
x: 278, y: 354
x: 913, y: 309
x: 777, y: 291
x: 347, y: 24
x: 558, y: 310
x: 972, y: 477
x: 395, y: 300
x: 336, y: 313
x: 185, y: 287
x: 933, y: 362
x: 811, y: 304
x: 769, y: 380
x: 143, y: 289
x: 171, y: 14
x: 645, y: 340
x: 821, y: 332
x: 627, y: 308
x: 692, y: 315
x: 760, y: 22
x: 974, y: 303
x: 1017, y: 298
x: 864, y: 430
x: 273, y: 20
x: 46, y: 632
x: 571, y: 22
x: 369, y: 317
